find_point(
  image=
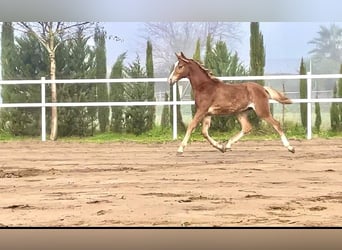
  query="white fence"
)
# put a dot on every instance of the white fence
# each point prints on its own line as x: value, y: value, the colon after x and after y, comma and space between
x: 43, y: 104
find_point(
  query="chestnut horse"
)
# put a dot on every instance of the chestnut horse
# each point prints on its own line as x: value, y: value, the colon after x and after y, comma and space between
x: 214, y: 97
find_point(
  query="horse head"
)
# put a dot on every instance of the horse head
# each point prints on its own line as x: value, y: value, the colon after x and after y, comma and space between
x: 180, y: 70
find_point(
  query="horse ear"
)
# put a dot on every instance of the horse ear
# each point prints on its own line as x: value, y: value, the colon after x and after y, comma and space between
x: 182, y: 57
x: 178, y: 55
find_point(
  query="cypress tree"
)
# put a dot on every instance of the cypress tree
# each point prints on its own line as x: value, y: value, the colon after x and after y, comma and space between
x: 303, y: 94
x: 257, y: 61
x: 151, y: 110
x: 334, y: 113
x: 197, y: 54
x: 136, y: 117
x: 223, y: 63
x: 8, y: 52
x: 318, y: 120
x: 100, y: 73
x: 75, y: 60
x: 117, y: 95
x: 257, y: 52
x: 165, y: 117
x: 220, y: 67
x: 29, y: 61
x: 339, y: 94
x: 336, y: 108
x: 208, y: 60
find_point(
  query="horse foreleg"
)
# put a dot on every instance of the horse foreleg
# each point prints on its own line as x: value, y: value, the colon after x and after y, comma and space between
x: 193, y: 124
x: 205, y: 127
x: 246, y: 127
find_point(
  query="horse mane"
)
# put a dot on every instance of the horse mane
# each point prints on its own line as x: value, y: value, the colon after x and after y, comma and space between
x: 206, y: 71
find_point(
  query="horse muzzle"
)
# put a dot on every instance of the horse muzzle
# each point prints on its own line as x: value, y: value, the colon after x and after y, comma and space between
x: 171, y: 80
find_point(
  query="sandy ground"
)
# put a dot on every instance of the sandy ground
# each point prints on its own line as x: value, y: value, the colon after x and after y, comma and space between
x: 128, y: 184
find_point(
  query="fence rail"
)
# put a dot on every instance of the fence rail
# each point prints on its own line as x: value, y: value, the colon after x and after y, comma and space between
x: 43, y: 104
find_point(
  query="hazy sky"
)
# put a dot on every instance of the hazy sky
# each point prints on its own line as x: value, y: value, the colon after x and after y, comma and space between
x: 285, y: 42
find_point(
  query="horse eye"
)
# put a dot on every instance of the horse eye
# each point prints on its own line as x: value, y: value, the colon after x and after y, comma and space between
x: 180, y: 66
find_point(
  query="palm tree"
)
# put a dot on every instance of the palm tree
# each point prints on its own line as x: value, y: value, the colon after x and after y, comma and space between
x: 328, y: 45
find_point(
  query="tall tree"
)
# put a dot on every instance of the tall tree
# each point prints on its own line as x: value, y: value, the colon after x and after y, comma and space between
x: 8, y: 52
x: 171, y: 37
x: 51, y: 35
x: 100, y: 73
x: 30, y: 62
x: 335, y: 120
x: 257, y: 52
x: 117, y: 91
x: 208, y: 58
x: 318, y: 120
x: 303, y: 94
x: 75, y: 60
x: 257, y: 61
x: 197, y: 53
x: 339, y: 92
x: 336, y: 108
x: 8, y: 59
x: 136, y: 117
x: 224, y: 63
x: 328, y: 44
x: 165, y: 116
x: 326, y: 53
x: 150, y: 86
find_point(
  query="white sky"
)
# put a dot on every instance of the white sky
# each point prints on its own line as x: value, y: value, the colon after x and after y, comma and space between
x: 285, y: 42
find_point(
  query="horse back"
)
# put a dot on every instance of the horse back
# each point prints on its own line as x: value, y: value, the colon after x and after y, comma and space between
x: 235, y: 98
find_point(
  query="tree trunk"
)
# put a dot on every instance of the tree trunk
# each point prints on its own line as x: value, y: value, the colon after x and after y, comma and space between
x: 54, y: 123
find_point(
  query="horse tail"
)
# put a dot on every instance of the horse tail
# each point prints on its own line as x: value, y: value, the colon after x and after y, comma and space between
x: 276, y: 95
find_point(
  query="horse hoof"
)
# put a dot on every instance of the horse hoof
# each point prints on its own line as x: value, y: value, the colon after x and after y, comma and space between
x: 180, y: 151
x: 291, y: 149
x: 223, y: 147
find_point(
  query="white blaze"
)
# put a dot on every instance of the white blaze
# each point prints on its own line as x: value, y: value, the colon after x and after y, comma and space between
x: 173, y: 71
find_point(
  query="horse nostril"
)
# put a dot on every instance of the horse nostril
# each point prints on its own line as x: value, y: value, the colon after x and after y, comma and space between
x: 170, y: 80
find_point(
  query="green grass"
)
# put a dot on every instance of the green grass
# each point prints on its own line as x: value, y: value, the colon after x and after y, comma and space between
x: 8, y: 137
x: 158, y: 135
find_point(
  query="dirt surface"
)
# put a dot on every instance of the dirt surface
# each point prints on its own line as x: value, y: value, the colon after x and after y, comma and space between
x: 129, y: 184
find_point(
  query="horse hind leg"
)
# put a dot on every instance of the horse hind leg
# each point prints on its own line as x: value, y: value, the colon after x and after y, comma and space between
x: 246, y: 127
x: 205, y: 127
x: 263, y: 111
x: 276, y: 126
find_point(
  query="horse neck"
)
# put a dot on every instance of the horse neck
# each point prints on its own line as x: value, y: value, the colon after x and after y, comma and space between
x: 197, y: 77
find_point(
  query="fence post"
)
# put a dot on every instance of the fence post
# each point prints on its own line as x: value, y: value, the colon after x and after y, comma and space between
x: 174, y: 116
x: 309, y: 106
x: 43, y: 115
